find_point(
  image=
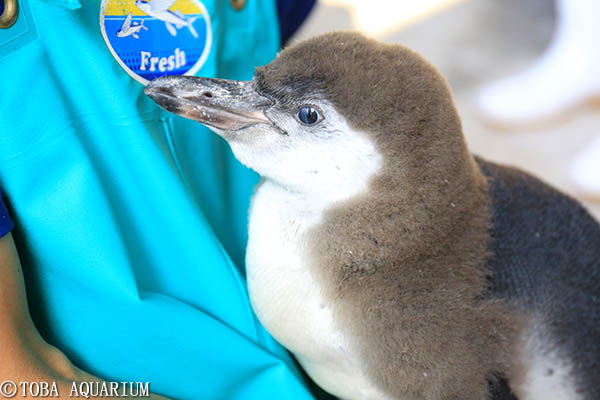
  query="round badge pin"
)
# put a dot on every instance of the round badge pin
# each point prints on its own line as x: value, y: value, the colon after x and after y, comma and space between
x: 152, y: 38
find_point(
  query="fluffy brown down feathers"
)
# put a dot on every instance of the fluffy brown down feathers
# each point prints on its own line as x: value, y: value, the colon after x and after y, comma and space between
x: 405, y: 263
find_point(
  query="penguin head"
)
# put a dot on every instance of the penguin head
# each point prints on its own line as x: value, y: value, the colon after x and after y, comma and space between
x: 326, y: 114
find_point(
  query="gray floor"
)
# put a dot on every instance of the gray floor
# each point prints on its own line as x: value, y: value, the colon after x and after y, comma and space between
x: 473, y: 42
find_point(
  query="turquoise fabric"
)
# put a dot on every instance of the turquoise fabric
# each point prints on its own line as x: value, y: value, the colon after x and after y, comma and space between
x: 130, y: 222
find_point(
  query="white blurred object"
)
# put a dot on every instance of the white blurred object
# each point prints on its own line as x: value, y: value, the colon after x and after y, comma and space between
x: 567, y: 75
x: 585, y: 171
x: 376, y: 17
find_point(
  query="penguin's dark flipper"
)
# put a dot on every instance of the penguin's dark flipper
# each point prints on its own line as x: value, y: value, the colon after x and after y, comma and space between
x: 546, y: 263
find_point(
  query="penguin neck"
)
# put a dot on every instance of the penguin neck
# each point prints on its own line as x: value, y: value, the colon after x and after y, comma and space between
x: 436, y: 194
x: 337, y: 178
x: 308, y: 201
x: 318, y: 196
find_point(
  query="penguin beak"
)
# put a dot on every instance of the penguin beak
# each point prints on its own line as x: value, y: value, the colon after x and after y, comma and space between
x: 219, y: 103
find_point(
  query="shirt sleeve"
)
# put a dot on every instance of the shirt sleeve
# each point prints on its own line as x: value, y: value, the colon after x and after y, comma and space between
x: 292, y: 14
x: 6, y: 223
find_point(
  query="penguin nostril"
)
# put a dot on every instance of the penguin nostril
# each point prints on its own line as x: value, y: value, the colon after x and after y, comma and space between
x: 207, y: 94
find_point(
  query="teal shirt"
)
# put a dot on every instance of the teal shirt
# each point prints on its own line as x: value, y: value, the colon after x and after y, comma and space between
x: 130, y: 222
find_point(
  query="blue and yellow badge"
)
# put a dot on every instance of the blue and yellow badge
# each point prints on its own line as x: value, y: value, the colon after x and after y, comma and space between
x: 151, y: 38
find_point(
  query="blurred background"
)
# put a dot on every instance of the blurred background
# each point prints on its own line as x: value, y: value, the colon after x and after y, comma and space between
x: 475, y: 43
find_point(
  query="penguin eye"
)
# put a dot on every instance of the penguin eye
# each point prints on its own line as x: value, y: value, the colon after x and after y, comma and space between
x: 308, y: 115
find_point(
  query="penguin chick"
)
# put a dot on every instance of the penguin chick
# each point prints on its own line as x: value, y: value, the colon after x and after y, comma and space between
x: 386, y: 257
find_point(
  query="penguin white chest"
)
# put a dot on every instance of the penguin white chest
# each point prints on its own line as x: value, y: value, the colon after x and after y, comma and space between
x: 284, y: 294
x: 287, y: 298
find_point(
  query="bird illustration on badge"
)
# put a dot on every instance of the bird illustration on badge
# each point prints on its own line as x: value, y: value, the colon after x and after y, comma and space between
x: 159, y: 9
x: 128, y: 29
x: 146, y: 37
